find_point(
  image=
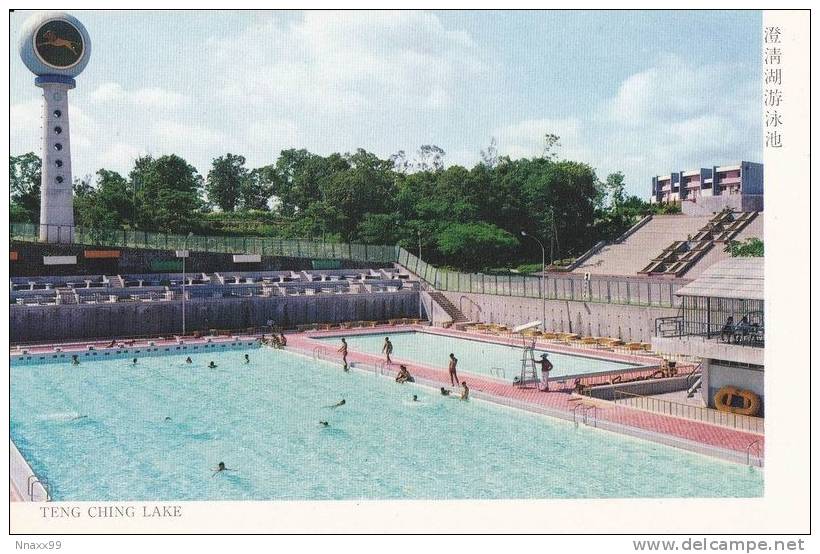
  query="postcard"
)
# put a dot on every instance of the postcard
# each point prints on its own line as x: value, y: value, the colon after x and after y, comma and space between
x: 408, y: 271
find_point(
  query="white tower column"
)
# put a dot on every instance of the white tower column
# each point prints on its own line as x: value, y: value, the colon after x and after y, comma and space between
x: 56, y: 204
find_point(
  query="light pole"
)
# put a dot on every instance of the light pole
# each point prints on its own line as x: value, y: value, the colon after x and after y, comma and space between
x: 543, y: 278
x: 418, y: 232
x: 184, y: 255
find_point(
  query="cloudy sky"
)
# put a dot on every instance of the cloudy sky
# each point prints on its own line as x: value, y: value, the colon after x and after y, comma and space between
x: 640, y: 92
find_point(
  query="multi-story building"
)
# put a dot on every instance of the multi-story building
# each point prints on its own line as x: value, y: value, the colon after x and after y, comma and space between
x: 738, y: 186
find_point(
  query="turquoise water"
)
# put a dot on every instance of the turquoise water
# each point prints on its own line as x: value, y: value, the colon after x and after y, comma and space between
x: 473, y: 356
x: 262, y: 420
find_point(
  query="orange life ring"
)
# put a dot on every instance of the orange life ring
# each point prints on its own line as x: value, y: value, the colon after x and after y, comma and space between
x: 724, y: 397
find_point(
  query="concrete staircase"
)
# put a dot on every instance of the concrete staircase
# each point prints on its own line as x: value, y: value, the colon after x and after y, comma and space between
x: 680, y: 256
x: 454, y: 313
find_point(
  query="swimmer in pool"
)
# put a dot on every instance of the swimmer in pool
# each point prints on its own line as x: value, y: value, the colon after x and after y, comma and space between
x: 337, y: 404
x: 134, y: 361
x: 445, y: 392
x: 465, y: 391
x: 221, y: 467
x: 167, y: 418
x: 188, y: 360
x: 324, y: 423
x: 75, y: 360
x: 247, y: 359
x: 212, y: 365
x: 415, y: 398
x: 78, y: 417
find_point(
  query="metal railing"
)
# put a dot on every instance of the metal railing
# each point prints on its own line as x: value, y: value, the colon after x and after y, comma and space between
x: 265, y: 246
x: 689, y: 411
x: 638, y: 291
x: 678, y: 326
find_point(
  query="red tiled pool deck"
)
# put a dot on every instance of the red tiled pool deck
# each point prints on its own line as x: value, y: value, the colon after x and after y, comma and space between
x: 560, y: 402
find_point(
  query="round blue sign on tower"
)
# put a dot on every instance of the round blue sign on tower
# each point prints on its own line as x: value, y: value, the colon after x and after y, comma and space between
x: 54, y: 43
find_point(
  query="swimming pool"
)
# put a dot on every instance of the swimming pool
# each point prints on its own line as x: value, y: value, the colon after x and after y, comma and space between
x: 262, y: 419
x: 474, y: 356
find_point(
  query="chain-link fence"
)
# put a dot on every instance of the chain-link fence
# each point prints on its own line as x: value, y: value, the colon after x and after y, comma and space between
x: 265, y: 246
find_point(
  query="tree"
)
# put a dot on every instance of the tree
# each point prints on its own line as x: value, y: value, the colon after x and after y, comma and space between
x: 257, y: 188
x: 751, y: 247
x: 489, y: 157
x: 225, y: 181
x: 550, y: 144
x: 167, y: 193
x: 430, y: 158
x: 24, y: 188
x: 473, y: 246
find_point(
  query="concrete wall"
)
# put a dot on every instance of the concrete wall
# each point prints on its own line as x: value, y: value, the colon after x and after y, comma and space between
x: 716, y: 376
x: 434, y: 313
x: 707, y: 205
x: 629, y: 323
x: 138, y: 260
x: 123, y: 319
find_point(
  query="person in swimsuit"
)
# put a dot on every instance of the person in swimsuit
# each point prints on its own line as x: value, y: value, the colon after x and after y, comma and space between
x: 445, y: 392
x: 343, y: 350
x: 75, y: 360
x: 415, y: 398
x: 387, y: 349
x: 220, y: 468
x: 283, y: 342
x: 247, y: 359
x: 337, y: 404
x: 452, y: 370
x: 404, y: 375
x: 212, y: 365
x: 324, y: 423
x: 465, y: 391
x: 134, y: 361
x: 188, y: 360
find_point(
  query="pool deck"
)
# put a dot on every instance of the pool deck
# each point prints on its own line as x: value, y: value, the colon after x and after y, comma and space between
x: 688, y: 432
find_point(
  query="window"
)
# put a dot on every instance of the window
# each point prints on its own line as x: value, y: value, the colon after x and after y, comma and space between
x: 58, y: 146
x: 59, y: 179
x: 58, y: 130
x: 58, y: 163
x: 58, y: 113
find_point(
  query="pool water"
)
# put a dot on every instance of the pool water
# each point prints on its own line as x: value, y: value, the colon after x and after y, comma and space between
x: 262, y: 420
x: 474, y: 356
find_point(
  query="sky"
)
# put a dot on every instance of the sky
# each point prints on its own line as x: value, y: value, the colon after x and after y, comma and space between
x: 642, y: 92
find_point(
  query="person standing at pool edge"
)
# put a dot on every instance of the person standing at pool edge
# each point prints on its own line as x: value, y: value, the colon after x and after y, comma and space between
x: 452, y: 370
x: 387, y: 349
x: 546, y: 367
x: 343, y: 350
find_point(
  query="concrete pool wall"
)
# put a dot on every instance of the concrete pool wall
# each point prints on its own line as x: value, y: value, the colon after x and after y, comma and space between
x: 623, y: 321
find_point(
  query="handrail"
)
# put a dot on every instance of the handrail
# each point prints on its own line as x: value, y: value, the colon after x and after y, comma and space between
x: 688, y: 411
x: 748, y: 451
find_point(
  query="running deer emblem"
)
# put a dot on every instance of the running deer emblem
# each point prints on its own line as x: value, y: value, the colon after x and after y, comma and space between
x: 51, y: 39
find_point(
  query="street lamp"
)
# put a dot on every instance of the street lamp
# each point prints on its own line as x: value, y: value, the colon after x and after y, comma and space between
x: 183, y: 255
x: 418, y: 232
x: 543, y: 278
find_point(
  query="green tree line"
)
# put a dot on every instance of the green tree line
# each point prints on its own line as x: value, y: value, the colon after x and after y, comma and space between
x: 470, y: 219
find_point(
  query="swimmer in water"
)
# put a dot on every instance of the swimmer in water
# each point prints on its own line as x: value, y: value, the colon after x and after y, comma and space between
x: 337, y: 404
x: 167, y: 418
x: 415, y: 398
x: 78, y: 417
x: 221, y: 467
x: 465, y: 391
x: 247, y: 359
x: 212, y: 365
x: 188, y: 360
x: 75, y: 360
x: 324, y: 423
x: 134, y: 361
x: 445, y: 392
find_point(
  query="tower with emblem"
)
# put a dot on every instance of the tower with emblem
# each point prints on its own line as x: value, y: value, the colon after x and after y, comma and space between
x: 55, y: 46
